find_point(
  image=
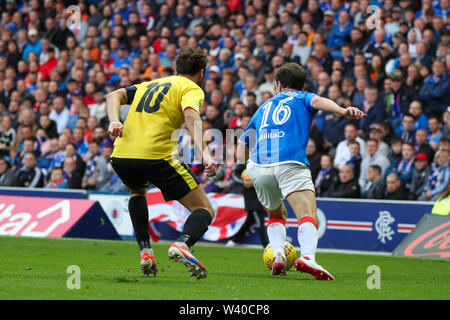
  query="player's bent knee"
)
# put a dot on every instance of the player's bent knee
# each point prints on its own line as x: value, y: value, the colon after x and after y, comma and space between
x: 210, y: 210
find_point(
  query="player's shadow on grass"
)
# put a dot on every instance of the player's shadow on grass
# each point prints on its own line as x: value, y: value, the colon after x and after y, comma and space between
x: 290, y: 276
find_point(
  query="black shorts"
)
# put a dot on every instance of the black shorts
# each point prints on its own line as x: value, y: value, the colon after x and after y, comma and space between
x: 173, y: 177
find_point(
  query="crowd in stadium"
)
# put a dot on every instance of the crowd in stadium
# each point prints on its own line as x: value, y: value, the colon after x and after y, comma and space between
x: 393, y: 63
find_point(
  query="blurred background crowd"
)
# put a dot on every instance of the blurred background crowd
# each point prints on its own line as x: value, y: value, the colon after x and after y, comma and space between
x: 58, y: 62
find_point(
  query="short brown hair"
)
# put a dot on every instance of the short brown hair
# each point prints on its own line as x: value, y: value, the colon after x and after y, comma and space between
x: 190, y: 61
x: 291, y: 75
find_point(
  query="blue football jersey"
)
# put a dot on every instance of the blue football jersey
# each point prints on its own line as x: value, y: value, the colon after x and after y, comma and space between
x: 279, y: 130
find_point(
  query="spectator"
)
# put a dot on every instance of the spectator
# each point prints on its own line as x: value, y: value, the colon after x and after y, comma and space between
x: 399, y: 102
x: 333, y: 130
x: 395, y: 190
x: 47, y: 156
x: 327, y: 25
x: 420, y: 176
x: 420, y: 119
x: 258, y: 68
x: 7, y: 135
x: 72, y: 174
x: 444, y: 144
x: 30, y: 175
x: 327, y: 177
x: 436, y: 134
x: 229, y: 92
x: 404, y: 167
x: 395, y: 153
x: 302, y: 49
x: 79, y: 141
x: 355, y: 158
x: 358, y: 96
x: 48, y: 125
x: 101, y: 137
x: 434, y: 88
x: 407, y: 132
x: 446, y: 129
x: 33, y: 45
x: 376, y: 112
x: 7, y: 177
x: 60, y: 114
x: 91, y: 159
x: 375, y: 132
x: 103, y: 170
x: 70, y: 151
x: 377, y: 186
x: 347, y: 187
x: 421, y: 145
x: 314, y: 157
x: 342, y: 150
x: 57, y: 180
x: 372, y: 158
x: 240, y: 112
x: 439, y: 177
x: 340, y: 31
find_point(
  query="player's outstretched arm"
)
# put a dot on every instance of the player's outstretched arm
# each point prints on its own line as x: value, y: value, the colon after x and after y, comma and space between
x: 113, y: 101
x: 194, y: 126
x: 328, y: 105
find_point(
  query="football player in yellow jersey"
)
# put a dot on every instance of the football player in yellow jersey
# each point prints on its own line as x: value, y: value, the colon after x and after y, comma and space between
x: 144, y: 153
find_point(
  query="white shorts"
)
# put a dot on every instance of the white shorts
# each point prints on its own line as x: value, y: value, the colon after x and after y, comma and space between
x: 275, y: 183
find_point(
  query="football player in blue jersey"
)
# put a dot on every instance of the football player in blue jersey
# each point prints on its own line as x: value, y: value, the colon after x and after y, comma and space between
x: 277, y: 137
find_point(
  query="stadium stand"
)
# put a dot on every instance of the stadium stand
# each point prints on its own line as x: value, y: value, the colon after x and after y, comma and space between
x: 59, y: 59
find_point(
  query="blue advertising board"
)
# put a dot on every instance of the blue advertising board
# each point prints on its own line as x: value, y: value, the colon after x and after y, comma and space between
x: 43, y: 192
x: 363, y: 225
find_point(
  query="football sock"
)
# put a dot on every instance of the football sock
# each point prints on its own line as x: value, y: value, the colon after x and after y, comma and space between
x: 276, y: 232
x: 137, y: 206
x: 308, y: 237
x: 195, y: 226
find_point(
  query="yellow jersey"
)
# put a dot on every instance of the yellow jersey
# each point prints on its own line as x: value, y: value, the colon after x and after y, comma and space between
x: 156, y: 112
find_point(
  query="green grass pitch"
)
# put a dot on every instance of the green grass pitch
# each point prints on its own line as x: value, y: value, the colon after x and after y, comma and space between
x: 32, y: 268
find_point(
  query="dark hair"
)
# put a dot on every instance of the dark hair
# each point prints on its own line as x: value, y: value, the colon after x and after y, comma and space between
x: 407, y: 115
x: 376, y: 168
x: 73, y: 145
x: 291, y: 75
x: 328, y: 156
x: 395, y: 140
x: 408, y: 143
x: 351, y: 124
x: 438, y: 118
x: 190, y: 61
x: 8, y: 165
x: 94, y: 141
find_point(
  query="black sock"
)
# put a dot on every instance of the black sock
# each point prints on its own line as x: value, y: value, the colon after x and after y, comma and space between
x: 195, y: 226
x: 137, y: 206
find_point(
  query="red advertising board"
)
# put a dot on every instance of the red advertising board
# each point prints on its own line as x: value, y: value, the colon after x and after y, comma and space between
x: 50, y: 217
